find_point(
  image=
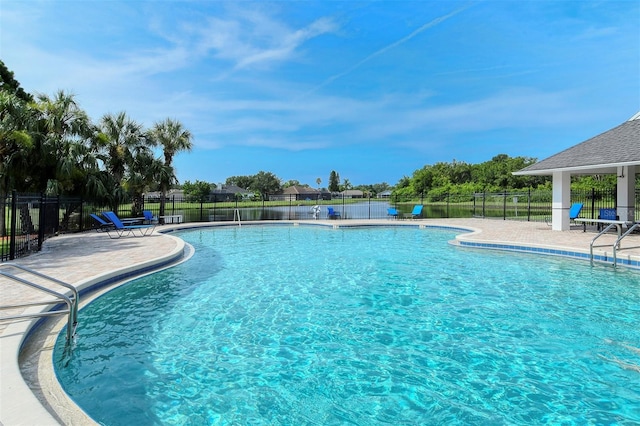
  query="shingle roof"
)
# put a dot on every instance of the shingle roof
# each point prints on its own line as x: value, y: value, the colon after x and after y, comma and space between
x: 299, y: 189
x: 619, y: 146
x: 230, y: 189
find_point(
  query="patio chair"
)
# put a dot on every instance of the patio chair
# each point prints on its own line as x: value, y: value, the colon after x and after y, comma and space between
x: 607, y: 214
x: 392, y: 213
x: 120, y: 229
x: 575, y: 210
x: 574, y: 213
x: 417, y: 211
x: 332, y: 214
x: 103, y: 225
x: 149, y: 217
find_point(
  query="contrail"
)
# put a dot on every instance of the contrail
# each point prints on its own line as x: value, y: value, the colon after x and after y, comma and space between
x: 389, y: 47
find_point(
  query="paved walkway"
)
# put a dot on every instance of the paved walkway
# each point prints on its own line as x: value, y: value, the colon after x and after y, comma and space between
x: 32, y: 396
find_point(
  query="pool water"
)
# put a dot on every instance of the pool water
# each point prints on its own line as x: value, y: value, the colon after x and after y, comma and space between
x: 303, y: 325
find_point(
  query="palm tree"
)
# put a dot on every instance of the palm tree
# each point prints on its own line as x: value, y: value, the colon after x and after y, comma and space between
x: 16, y: 123
x: 15, y: 144
x: 60, y: 138
x: 119, y: 141
x: 173, y: 138
x: 142, y: 174
x: 61, y: 161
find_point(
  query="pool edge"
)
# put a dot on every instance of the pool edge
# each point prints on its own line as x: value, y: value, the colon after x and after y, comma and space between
x: 132, y: 271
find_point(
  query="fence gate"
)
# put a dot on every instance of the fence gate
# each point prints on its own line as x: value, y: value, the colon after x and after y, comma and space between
x: 479, y: 200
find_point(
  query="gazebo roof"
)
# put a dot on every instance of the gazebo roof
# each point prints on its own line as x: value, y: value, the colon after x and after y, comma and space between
x: 603, y: 153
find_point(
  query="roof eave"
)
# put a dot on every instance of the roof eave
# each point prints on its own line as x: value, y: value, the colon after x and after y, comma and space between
x: 586, y: 169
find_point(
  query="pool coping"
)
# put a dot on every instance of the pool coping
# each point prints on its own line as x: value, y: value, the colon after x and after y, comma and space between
x: 19, y: 404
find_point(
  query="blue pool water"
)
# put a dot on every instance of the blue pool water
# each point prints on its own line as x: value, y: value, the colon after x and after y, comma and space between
x: 308, y: 325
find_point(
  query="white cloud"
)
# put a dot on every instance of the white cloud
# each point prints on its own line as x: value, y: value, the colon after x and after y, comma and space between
x: 252, y: 38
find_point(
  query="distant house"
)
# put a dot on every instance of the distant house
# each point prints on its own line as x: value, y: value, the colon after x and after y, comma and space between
x: 352, y: 193
x: 385, y: 194
x: 297, y: 193
x: 172, y: 193
x: 229, y: 193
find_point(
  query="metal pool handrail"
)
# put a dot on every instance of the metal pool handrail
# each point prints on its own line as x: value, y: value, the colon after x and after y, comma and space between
x: 604, y: 231
x: 70, y: 301
x: 616, y: 246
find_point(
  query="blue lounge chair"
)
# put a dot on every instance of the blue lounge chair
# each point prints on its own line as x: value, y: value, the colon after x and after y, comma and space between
x: 417, y: 211
x: 149, y: 217
x: 393, y: 213
x: 574, y: 213
x: 103, y: 225
x: 332, y: 214
x: 575, y: 210
x: 120, y: 229
x: 607, y: 214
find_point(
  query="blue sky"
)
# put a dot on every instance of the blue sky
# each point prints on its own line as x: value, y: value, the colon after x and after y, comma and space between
x: 371, y: 89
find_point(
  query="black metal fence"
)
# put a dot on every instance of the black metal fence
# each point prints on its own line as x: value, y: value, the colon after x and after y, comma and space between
x: 28, y: 219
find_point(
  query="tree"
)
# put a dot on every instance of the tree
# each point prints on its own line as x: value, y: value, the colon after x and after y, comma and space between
x: 422, y: 180
x: 265, y: 183
x: 119, y: 141
x: 346, y: 185
x: 141, y: 174
x: 15, y: 145
x: 334, y: 181
x: 318, y: 182
x: 198, y: 191
x: 374, y: 189
x: 16, y: 122
x: 174, y: 138
x: 244, y: 182
x: 61, y: 145
x: 291, y: 182
x: 10, y: 85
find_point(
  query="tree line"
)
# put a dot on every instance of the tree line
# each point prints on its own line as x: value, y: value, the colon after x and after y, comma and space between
x: 48, y: 144
x: 262, y: 184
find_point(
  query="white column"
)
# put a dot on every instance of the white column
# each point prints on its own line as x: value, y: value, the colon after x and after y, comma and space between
x: 627, y: 193
x: 561, y: 201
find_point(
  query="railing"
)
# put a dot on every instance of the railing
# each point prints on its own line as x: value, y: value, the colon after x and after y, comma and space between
x: 601, y: 233
x: 71, y: 302
x: 616, y: 246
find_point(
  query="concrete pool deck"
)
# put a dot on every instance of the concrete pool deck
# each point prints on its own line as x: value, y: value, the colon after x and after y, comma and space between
x: 29, y: 393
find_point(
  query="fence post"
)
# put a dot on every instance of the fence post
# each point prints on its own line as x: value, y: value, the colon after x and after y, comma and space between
x: 57, y: 221
x: 12, y: 238
x: 173, y: 204
x: 82, y: 213
x: 201, y: 212
x: 529, y: 206
x: 484, y: 202
x: 504, y: 206
x: 448, y: 195
x: 42, y: 220
x: 213, y: 207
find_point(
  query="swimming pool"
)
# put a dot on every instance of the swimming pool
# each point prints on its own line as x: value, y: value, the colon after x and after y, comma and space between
x: 313, y: 325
